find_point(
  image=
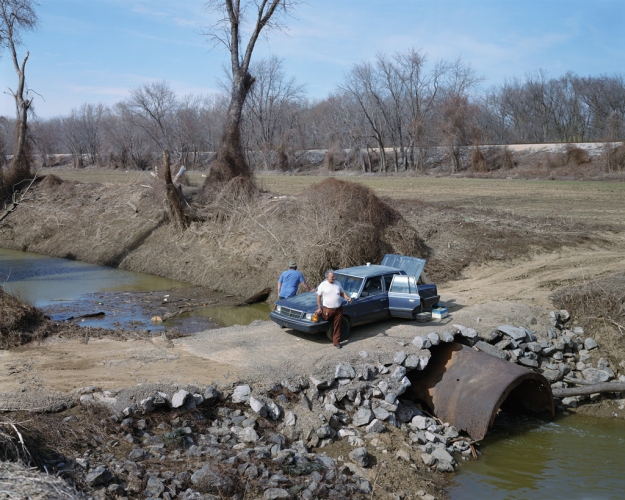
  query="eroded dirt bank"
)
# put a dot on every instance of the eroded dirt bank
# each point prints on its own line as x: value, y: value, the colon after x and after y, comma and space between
x: 126, y: 226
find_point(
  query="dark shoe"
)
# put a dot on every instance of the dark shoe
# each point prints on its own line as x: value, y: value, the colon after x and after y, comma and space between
x: 338, y: 346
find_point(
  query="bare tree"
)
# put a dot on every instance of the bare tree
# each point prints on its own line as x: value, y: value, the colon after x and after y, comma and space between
x: 45, y: 139
x: 17, y: 16
x: 127, y: 145
x: 457, y: 121
x: 271, y: 106
x: 363, y: 83
x: 229, y: 31
x: 152, y: 109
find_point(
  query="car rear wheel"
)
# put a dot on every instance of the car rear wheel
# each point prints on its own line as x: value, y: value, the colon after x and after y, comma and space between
x: 345, y: 328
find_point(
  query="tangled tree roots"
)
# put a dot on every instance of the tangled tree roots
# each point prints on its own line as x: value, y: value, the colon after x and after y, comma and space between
x: 229, y: 164
x: 11, y: 178
x: 234, y: 195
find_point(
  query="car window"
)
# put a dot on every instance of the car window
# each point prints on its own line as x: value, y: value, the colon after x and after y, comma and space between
x: 387, y: 280
x: 350, y: 284
x: 373, y: 286
x: 404, y: 284
x: 400, y: 285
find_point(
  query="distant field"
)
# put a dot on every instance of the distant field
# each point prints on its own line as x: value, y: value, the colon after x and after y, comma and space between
x: 589, y: 201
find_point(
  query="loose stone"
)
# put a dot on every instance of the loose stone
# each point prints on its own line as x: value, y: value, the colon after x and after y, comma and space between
x: 360, y: 456
x: 421, y: 342
x: 241, y: 394
x: 376, y: 426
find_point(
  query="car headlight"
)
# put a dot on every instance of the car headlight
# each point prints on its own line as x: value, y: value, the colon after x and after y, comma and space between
x: 314, y: 317
x: 278, y: 309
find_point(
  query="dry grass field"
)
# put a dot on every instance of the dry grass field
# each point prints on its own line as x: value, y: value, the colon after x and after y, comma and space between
x: 584, y: 201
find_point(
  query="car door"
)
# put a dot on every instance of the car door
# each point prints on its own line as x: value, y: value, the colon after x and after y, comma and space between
x: 373, y: 301
x: 403, y: 297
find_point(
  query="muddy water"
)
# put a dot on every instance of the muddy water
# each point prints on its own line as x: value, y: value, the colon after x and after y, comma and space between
x: 573, y: 457
x: 63, y: 288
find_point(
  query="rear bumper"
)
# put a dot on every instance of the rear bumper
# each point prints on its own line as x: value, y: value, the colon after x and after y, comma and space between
x: 430, y: 301
x: 299, y: 325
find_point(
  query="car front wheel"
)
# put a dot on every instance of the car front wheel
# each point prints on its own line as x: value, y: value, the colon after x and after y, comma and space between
x: 345, y: 328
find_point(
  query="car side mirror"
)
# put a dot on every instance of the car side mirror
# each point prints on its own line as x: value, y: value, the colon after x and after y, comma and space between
x: 364, y: 294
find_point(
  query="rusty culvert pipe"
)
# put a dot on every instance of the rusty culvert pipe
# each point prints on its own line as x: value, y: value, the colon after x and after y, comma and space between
x: 466, y: 388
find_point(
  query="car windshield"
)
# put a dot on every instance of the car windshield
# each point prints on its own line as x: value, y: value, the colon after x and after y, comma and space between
x: 350, y: 284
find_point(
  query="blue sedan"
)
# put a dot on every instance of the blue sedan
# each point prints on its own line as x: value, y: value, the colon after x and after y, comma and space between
x: 378, y: 292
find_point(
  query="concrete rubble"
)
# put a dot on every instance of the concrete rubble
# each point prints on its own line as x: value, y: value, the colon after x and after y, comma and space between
x: 274, y: 436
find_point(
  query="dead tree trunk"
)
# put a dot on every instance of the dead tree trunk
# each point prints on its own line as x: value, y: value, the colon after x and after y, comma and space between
x: 173, y: 197
x: 231, y: 161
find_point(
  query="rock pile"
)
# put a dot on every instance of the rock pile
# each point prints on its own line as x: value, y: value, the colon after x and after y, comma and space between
x: 562, y: 354
x: 264, y: 437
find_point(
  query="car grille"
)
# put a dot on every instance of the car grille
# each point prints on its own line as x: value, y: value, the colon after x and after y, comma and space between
x: 290, y: 313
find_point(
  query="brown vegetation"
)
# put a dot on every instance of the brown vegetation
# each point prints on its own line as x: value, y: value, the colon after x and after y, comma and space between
x: 346, y: 224
x: 19, y: 323
x: 613, y: 158
x: 334, y: 224
x: 485, y: 159
x: 598, y: 300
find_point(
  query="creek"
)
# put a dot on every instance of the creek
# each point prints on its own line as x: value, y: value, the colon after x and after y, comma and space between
x: 572, y: 457
x: 64, y: 288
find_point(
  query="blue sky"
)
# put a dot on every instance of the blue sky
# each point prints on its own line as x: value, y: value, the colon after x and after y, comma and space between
x: 97, y: 50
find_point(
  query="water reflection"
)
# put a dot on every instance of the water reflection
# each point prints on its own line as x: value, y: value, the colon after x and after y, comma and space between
x: 228, y: 315
x: 572, y: 457
x: 64, y: 288
x: 41, y: 280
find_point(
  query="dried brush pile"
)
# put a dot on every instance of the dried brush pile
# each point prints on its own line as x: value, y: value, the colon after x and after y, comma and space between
x: 19, y: 322
x: 613, y: 158
x: 599, y: 300
x: 490, y: 159
x: 335, y: 224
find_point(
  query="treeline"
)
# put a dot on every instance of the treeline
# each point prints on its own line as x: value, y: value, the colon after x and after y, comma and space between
x: 389, y: 114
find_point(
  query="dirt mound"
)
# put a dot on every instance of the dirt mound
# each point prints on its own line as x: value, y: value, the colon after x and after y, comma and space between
x: 19, y: 322
x: 50, y: 181
x: 248, y: 242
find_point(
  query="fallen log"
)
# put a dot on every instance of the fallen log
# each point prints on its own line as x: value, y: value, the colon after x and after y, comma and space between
x: 88, y: 315
x: 586, y: 390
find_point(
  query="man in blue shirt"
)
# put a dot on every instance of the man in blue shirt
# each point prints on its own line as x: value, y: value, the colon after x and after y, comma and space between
x: 289, y: 282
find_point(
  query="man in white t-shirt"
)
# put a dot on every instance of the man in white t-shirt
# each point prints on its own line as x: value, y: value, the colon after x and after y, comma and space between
x: 330, y: 306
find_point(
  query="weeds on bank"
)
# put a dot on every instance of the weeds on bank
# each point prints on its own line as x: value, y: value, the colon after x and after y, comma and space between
x: 600, y: 299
